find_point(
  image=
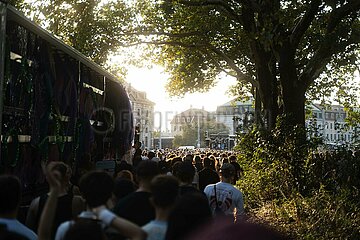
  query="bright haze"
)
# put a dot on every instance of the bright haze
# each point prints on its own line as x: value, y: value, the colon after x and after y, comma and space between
x: 152, y: 81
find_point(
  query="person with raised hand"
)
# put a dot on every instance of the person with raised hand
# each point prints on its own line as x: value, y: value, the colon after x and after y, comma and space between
x: 68, y: 206
x: 96, y: 188
x: 47, y: 217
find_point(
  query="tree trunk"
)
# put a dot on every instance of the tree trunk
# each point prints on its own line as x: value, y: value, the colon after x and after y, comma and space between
x: 294, y: 105
x: 293, y: 90
x: 258, y: 107
x: 267, y: 87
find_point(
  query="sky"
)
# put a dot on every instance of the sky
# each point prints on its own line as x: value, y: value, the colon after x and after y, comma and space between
x: 152, y: 81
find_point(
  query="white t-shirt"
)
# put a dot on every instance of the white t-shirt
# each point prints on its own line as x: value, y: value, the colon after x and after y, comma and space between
x: 15, y: 226
x: 65, y: 226
x: 155, y: 229
x: 230, y: 199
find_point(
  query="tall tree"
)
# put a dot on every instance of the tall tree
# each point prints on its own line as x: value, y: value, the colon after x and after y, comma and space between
x: 280, y: 48
x: 93, y: 27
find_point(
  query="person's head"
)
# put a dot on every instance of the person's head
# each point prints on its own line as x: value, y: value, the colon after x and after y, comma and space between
x: 227, y: 170
x: 225, y: 160
x: 125, y: 174
x: 96, y: 188
x: 146, y: 170
x: 123, y: 165
x: 151, y: 154
x: 224, y: 229
x: 123, y: 187
x: 165, y: 190
x: 189, y: 213
x: 197, y: 159
x: 232, y: 158
x: 188, y: 158
x: 207, y: 162
x: 175, y: 160
x: 88, y: 229
x: 184, y: 171
x: 10, y: 188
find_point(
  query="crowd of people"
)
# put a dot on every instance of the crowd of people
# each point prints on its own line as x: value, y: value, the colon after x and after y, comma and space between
x: 154, y: 195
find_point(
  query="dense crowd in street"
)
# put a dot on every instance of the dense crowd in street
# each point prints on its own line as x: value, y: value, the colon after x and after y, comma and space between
x: 162, y: 194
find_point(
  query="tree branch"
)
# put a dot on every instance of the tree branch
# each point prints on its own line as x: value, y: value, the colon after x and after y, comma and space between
x: 323, y: 56
x: 247, y: 17
x: 171, y: 43
x: 339, y: 13
x: 239, y: 74
x: 174, y: 35
x: 219, y: 3
x: 300, y: 28
x: 330, y: 47
x: 217, y: 64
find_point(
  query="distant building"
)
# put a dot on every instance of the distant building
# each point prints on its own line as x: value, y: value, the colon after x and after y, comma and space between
x: 234, y: 113
x: 188, y: 117
x: 166, y: 139
x: 329, y: 123
x: 143, y: 112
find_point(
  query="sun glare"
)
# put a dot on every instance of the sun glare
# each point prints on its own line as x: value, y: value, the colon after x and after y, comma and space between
x: 152, y: 81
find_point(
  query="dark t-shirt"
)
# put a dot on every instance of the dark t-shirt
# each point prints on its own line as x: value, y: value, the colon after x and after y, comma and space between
x: 207, y: 176
x: 63, y: 211
x: 188, y: 190
x: 237, y: 171
x: 136, y: 207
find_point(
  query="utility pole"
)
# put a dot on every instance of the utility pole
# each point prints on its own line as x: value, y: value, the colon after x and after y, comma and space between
x: 160, y: 147
x: 198, y: 138
x: 160, y: 128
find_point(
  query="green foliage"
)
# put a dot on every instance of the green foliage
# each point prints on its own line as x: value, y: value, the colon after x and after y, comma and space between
x: 305, y: 192
x: 93, y: 27
x: 188, y: 137
x: 283, y: 48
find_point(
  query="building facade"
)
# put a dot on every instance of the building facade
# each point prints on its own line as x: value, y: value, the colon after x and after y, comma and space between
x: 234, y: 114
x: 329, y: 123
x: 191, y: 117
x: 143, y: 113
x: 326, y: 122
x: 163, y: 140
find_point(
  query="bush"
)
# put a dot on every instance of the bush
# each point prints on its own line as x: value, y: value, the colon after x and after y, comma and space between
x: 308, y: 193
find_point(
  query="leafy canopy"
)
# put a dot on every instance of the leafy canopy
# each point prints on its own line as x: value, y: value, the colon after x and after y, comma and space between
x: 196, y: 40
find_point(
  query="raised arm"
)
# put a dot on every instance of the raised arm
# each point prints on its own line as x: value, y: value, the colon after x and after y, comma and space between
x: 48, y: 214
x: 125, y: 227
